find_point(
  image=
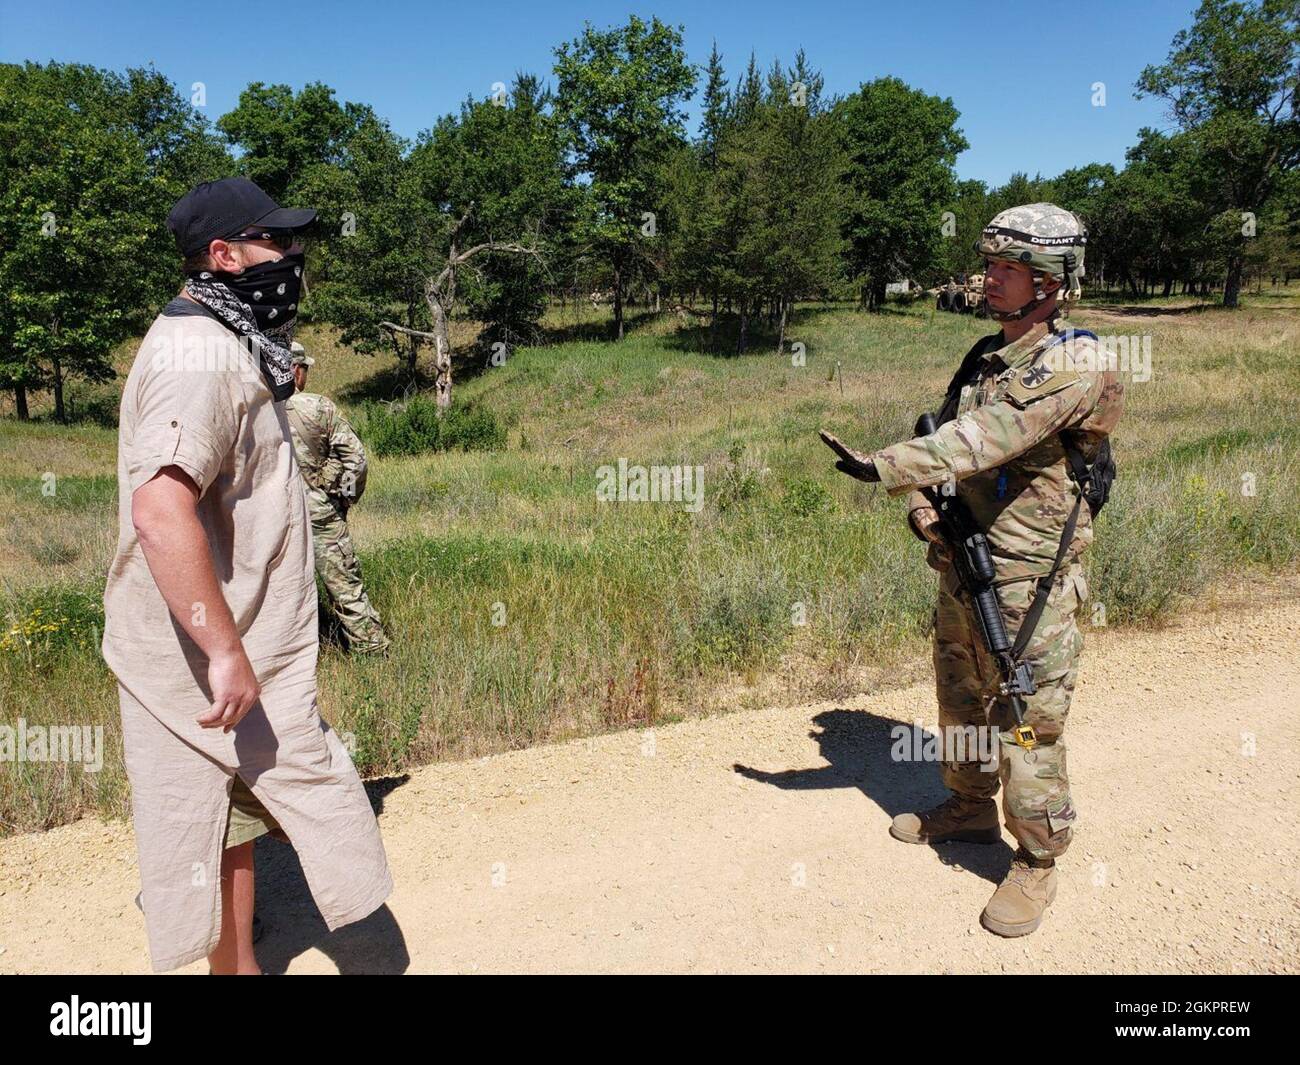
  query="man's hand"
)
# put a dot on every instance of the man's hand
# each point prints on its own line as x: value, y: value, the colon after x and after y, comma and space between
x: 937, y: 556
x: 926, y: 520
x: 234, y: 690
x: 174, y: 544
x: 854, y: 463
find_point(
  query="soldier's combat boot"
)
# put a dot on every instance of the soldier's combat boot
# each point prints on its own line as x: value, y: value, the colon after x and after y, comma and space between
x: 956, y: 819
x: 1017, y: 906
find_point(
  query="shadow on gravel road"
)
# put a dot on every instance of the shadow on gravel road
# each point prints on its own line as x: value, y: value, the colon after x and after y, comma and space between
x: 293, y: 925
x: 857, y: 745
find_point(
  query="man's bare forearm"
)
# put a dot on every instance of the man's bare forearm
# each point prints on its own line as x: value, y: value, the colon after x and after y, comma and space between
x: 176, y: 549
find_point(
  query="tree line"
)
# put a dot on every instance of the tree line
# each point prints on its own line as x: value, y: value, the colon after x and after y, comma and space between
x: 592, y: 188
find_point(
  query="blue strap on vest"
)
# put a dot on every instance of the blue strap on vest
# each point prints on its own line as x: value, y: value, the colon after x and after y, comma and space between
x: 1070, y: 334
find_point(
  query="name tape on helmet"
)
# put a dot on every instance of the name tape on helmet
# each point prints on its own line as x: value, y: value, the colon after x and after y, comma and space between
x: 1029, y: 238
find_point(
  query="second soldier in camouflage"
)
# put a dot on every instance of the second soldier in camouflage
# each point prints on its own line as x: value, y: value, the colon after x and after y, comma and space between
x: 332, y: 462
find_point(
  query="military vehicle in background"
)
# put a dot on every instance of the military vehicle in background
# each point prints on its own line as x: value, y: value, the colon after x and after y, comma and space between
x: 962, y: 297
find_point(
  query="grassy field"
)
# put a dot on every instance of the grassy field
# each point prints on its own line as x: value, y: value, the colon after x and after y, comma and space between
x: 791, y: 581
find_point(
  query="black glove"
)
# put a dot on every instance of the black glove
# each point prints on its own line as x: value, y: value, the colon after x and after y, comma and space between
x: 854, y: 463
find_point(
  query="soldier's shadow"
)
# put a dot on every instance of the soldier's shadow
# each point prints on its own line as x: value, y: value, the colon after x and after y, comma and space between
x: 293, y: 925
x: 859, y: 747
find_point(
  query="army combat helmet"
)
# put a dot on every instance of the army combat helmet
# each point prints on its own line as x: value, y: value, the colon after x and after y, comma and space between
x: 1046, y: 238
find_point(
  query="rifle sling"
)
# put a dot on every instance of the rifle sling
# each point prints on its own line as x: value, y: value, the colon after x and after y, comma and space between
x: 1079, y: 473
x: 1044, y: 588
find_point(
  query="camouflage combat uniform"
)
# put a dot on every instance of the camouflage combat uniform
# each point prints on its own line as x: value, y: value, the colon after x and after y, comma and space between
x: 332, y: 461
x: 999, y: 440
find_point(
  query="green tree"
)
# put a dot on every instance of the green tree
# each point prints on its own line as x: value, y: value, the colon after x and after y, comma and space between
x: 1232, y: 82
x: 1276, y: 253
x: 757, y: 200
x: 619, y: 98
x: 970, y: 213
x: 458, y: 218
x: 93, y: 161
x: 794, y: 167
x: 748, y: 95
x: 696, y: 238
x: 371, y: 252
x: 715, y: 100
x: 505, y: 156
x: 281, y: 134
x: 902, y: 145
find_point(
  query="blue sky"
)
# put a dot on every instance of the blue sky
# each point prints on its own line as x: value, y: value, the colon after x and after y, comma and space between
x: 1021, y: 73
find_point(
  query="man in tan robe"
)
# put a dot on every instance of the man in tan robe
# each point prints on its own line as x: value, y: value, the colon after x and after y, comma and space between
x: 211, y: 604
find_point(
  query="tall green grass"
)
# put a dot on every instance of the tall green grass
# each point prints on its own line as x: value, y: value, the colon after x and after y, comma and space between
x: 416, y: 426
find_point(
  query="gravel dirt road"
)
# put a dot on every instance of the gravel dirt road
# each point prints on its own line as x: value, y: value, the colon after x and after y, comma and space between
x: 756, y: 841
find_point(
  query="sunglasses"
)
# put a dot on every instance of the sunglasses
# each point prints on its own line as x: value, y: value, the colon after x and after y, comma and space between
x: 284, y: 239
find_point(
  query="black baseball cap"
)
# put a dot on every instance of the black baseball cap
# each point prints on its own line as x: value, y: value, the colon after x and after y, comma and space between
x: 214, y: 210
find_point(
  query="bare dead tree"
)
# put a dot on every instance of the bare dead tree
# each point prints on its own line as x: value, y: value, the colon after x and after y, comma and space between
x: 440, y: 295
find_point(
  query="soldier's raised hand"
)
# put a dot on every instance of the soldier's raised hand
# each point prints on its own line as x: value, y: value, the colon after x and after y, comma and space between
x: 854, y: 463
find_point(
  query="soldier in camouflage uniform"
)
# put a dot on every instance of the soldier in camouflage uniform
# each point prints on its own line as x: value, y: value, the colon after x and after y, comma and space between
x: 999, y: 446
x: 332, y: 461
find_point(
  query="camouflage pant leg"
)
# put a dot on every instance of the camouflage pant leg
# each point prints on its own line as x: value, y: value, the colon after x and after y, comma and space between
x: 961, y: 687
x: 340, y: 572
x: 1036, y: 787
x: 1036, y: 790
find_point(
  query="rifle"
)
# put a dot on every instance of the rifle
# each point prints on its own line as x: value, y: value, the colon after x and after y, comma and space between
x: 969, y: 548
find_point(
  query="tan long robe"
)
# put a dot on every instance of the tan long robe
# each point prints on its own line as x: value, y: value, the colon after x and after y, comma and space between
x: 196, y: 399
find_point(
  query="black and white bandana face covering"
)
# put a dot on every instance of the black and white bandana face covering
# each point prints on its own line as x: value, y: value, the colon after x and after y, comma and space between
x: 260, y: 305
